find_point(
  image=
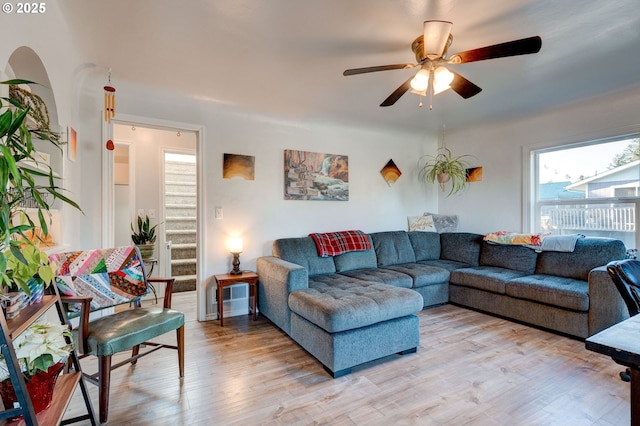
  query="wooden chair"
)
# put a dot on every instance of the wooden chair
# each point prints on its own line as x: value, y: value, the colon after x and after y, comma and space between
x: 93, y: 280
x: 626, y: 276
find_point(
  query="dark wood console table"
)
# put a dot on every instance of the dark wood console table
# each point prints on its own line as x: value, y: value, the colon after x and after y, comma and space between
x: 622, y: 343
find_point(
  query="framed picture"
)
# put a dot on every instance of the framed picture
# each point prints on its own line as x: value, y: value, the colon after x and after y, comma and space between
x: 72, y: 143
x: 242, y: 166
x: 315, y: 176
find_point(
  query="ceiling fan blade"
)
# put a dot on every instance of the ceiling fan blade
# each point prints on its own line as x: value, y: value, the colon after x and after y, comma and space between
x: 523, y: 46
x: 355, y: 71
x: 463, y: 87
x: 397, y: 94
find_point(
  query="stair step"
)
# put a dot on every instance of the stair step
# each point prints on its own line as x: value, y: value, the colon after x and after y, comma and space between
x: 183, y: 261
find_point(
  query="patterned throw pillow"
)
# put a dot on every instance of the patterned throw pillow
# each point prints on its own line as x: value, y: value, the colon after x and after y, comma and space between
x: 422, y: 223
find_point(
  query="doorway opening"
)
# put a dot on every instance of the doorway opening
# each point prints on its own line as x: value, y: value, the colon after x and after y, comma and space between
x: 150, y: 180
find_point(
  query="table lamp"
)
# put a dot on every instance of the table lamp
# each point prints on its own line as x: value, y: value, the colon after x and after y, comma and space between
x: 235, y: 247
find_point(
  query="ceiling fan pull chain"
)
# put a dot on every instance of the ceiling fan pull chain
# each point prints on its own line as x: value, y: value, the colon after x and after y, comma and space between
x: 420, y: 104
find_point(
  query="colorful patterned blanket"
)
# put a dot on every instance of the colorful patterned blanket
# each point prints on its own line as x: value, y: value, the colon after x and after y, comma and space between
x: 505, y: 237
x: 110, y: 276
x: 537, y: 242
x: 335, y: 243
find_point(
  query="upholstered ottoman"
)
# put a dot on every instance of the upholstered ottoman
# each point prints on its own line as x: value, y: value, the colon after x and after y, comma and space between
x: 344, y: 322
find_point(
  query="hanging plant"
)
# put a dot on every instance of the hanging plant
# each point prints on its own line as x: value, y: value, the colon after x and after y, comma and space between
x: 444, y: 168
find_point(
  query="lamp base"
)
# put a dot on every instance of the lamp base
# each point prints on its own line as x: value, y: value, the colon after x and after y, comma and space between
x: 236, y: 265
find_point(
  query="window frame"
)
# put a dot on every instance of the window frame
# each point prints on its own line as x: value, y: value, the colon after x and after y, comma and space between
x: 532, y: 205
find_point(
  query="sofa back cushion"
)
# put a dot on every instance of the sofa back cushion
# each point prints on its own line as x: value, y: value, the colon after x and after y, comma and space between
x: 392, y: 248
x: 461, y: 246
x: 303, y: 252
x: 514, y: 257
x: 426, y: 245
x: 356, y: 259
x: 589, y: 253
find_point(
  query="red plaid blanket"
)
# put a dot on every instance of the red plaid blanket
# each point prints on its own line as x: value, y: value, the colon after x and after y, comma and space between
x: 335, y: 243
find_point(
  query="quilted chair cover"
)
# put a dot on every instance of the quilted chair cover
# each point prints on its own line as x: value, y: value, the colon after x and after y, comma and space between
x: 110, y: 276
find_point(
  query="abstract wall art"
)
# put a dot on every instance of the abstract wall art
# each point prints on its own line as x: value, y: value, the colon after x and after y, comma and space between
x: 474, y: 174
x: 240, y: 166
x: 390, y: 172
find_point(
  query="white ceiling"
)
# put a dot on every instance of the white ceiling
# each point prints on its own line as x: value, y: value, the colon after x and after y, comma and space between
x: 286, y: 57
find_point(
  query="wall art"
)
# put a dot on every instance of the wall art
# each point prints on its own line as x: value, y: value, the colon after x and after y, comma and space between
x: 390, y: 172
x: 315, y: 176
x: 72, y: 143
x: 242, y: 166
x: 474, y: 174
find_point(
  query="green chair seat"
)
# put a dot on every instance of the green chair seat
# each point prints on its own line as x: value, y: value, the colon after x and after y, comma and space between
x: 123, y: 330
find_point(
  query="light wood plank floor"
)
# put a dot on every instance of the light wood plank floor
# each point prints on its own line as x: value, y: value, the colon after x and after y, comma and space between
x: 470, y: 369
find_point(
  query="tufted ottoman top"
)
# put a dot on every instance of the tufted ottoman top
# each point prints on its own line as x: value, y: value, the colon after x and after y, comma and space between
x: 338, y: 303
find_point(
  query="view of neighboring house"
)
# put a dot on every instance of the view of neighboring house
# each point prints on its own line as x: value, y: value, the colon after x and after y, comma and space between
x: 616, y: 220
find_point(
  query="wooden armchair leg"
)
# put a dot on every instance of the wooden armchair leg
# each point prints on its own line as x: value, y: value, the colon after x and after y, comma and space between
x: 104, y: 372
x: 180, y: 344
x: 135, y: 351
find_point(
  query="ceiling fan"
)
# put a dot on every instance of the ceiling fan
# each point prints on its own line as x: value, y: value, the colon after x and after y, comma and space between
x: 430, y: 50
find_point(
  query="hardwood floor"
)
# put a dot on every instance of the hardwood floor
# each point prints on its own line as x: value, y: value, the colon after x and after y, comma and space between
x: 470, y: 369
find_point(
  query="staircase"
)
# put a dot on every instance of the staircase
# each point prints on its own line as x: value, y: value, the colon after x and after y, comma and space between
x: 180, y: 221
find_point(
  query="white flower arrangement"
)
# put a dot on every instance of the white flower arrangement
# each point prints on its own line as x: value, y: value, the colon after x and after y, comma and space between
x: 39, y: 347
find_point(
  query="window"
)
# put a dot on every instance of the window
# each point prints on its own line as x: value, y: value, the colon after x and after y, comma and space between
x: 591, y: 188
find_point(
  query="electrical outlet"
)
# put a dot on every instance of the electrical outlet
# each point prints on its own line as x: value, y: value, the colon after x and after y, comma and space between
x: 218, y: 212
x: 141, y: 212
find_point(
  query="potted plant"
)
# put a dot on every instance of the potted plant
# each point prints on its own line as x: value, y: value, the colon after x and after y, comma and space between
x: 21, y: 185
x: 144, y: 237
x: 41, y: 350
x: 443, y: 168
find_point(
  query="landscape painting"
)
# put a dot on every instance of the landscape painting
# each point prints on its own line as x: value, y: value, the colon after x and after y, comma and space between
x: 315, y: 176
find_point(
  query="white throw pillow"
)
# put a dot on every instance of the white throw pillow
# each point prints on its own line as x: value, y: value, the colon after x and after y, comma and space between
x: 421, y: 223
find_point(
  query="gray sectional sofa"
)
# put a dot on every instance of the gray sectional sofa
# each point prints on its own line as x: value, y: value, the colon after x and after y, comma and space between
x: 359, y: 306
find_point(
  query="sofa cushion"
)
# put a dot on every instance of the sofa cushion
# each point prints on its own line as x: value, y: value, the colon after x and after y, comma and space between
x: 589, y: 253
x: 449, y: 265
x: 392, y: 248
x: 344, y: 304
x: 426, y: 245
x: 381, y: 275
x: 356, y: 260
x: 423, y: 275
x: 509, y: 257
x: 303, y: 252
x: 488, y: 278
x: 461, y: 246
x: 563, y: 292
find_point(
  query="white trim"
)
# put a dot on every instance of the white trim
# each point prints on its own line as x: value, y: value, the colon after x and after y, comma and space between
x: 108, y: 212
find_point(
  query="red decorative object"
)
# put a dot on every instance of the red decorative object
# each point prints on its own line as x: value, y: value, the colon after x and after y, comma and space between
x: 40, y: 388
x: 110, y: 145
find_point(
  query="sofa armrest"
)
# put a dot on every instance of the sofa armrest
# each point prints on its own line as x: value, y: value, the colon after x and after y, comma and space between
x: 606, y: 306
x: 277, y: 279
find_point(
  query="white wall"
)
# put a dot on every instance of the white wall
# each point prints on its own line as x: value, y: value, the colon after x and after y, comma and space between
x: 496, y: 203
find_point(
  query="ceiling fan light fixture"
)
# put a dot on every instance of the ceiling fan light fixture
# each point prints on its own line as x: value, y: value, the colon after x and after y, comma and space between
x: 442, y: 79
x: 436, y: 35
x: 421, y: 81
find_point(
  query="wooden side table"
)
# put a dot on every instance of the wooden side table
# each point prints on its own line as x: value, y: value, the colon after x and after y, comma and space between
x: 225, y: 280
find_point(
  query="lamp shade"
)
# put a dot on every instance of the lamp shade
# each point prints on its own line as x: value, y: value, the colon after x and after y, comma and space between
x: 442, y: 79
x: 420, y: 82
x: 235, y: 245
x: 436, y: 34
